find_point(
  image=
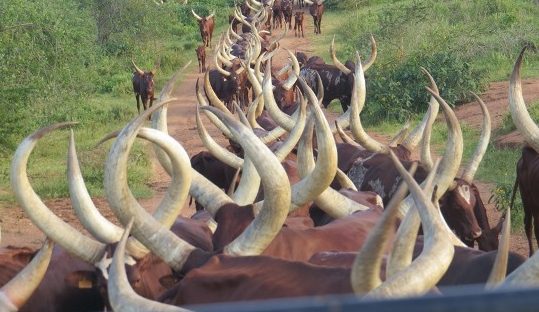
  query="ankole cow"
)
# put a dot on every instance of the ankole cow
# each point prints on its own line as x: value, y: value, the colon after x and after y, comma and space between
x: 316, y: 9
x: 143, y: 86
x: 205, y: 25
x: 528, y: 165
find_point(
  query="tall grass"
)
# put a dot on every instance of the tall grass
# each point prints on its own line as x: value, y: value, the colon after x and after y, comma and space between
x: 464, y: 44
x: 67, y: 60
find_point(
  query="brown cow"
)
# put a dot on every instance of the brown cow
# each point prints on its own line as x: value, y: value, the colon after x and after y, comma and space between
x: 528, y: 165
x: 317, y: 11
x: 205, y: 25
x: 201, y: 56
x: 298, y: 24
x: 143, y: 86
x: 287, y: 13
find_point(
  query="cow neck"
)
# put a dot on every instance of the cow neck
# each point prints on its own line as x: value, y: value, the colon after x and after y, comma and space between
x: 232, y: 220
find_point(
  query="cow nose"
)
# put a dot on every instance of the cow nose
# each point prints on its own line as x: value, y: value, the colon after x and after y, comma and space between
x: 477, y: 234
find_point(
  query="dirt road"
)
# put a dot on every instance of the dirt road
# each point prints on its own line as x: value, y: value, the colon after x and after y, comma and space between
x: 18, y: 230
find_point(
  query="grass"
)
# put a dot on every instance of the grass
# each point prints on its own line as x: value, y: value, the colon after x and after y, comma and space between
x: 489, y: 43
x: 47, y: 164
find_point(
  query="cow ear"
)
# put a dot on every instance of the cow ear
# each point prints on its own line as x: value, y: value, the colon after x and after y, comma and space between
x: 81, y: 279
x: 168, y: 281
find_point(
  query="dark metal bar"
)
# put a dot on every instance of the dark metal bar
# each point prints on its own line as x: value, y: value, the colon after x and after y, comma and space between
x: 465, y: 299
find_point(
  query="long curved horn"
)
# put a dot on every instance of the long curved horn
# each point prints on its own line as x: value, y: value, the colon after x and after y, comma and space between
x: 55, y: 228
x: 356, y: 105
x: 319, y: 178
x: 482, y: 146
x: 278, y: 116
x: 365, y: 274
x: 499, y: 269
x: 289, y: 83
x: 121, y: 296
x: 331, y: 201
x: 309, y: 2
x: 196, y: 15
x: 251, y: 111
x: 294, y: 135
x: 372, y: 58
x: 202, y: 102
x: 519, y: 112
x: 424, y: 154
x: 336, y: 61
x: 92, y: 220
x: 399, y: 137
x: 412, y: 140
x: 15, y: 293
x: 214, y: 99
x: 125, y: 206
x: 450, y: 163
x: 344, y: 180
x: 429, y: 267
x: 218, y: 66
x: 211, y: 15
x: 404, y: 243
x: 215, y: 149
x: 268, y: 222
x: 344, y: 137
x: 139, y: 71
x: 249, y: 185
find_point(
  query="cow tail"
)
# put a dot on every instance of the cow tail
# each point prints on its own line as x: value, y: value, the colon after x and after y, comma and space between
x: 513, y: 195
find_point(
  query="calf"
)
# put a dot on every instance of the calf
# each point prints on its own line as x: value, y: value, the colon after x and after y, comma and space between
x: 201, y: 56
x: 298, y: 24
x: 143, y: 87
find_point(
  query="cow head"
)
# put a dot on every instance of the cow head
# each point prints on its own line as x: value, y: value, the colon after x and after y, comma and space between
x: 458, y: 210
x: 205, y: 25
x: 317, y: 7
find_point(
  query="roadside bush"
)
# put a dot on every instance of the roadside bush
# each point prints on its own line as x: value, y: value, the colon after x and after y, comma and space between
x: 397, y: 91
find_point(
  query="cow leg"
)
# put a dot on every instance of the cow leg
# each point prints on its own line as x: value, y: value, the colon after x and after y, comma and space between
x: 138, y: 103
x: 528, y: 230
x: 320, y: 25
x: 536, y: 230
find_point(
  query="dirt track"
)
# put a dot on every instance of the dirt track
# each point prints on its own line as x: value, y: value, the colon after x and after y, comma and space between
x: 18, y: 230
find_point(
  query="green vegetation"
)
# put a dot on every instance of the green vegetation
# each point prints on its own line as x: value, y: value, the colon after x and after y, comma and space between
x: 68, y: 60
x: 464, y: 45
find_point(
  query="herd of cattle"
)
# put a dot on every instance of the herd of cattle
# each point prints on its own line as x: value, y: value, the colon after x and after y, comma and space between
x: 285, y: 210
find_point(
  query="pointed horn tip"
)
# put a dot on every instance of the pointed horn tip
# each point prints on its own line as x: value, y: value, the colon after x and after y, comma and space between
x: 107, y: 137
x: 43, y: 131
x: 515, y: 76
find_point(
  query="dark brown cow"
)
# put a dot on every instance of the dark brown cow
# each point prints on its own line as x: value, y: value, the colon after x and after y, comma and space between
x: 55, y: 293
x: 214, y: 170
x: 277, y: 14
x: 337, y: 85
x: 205, y: 25
x: 143, y: 87
x: 287, y: 13
x: 527, y: 177
x: 317, y: 11
x: 461, y: 207
x: 469, y: 266
x: 201, y: 57
x: 298, y: 24
x: 229, y: 84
